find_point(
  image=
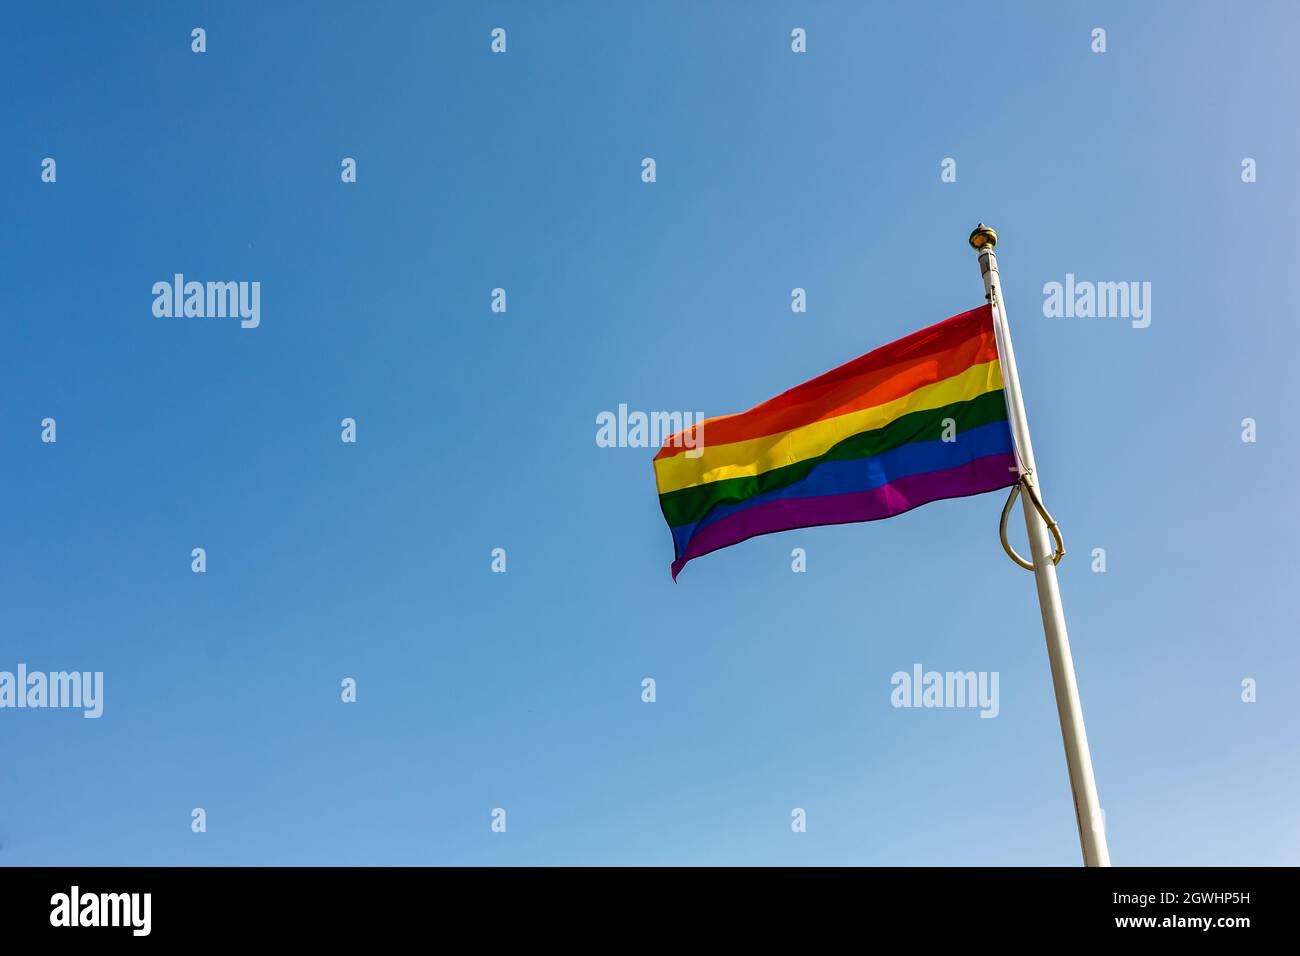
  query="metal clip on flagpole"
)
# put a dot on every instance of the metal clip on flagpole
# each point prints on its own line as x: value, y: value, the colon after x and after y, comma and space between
x: 1026, y: 481
x: 1038, y: 524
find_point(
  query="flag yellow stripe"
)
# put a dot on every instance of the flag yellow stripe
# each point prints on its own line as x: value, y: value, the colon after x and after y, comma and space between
x: 757, y: 455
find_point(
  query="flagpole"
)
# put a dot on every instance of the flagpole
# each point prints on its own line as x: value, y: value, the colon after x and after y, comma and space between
x: 1087, y: 808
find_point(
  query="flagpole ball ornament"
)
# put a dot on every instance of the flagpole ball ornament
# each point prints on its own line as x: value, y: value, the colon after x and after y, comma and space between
x: 983, y: 236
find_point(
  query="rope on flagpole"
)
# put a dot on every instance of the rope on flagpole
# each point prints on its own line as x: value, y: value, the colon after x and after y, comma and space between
x: 1027, y: 481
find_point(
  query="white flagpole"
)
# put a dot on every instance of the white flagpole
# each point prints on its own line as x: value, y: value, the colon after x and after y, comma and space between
x: 1087, y: 808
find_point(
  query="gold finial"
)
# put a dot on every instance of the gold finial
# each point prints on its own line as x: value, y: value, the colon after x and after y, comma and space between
x: 983, y: 236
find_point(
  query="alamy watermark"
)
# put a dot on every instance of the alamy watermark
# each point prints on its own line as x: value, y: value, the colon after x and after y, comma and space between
x: 635, y: 429
x: 1098, y: 300
x: 71, y: 689
x: 922, y: 688
x: 209, y: 300
x: 75, y: 908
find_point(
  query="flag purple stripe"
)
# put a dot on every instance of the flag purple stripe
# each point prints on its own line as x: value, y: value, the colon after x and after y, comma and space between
x: 904, y: 494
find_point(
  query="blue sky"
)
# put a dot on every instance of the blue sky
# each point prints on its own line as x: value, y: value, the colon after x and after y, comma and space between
x: 477, y: 430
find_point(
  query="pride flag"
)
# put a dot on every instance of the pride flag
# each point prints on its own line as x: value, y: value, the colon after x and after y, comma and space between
x: 917, y: 420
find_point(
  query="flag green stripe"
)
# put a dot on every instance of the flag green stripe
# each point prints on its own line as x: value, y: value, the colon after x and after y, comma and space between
x: 691, y: 504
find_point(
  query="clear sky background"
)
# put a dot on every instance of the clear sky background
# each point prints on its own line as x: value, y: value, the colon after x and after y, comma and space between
x: 477, y: 430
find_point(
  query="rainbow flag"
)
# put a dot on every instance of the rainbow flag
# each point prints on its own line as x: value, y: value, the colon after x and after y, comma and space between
x: 917, y: 420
